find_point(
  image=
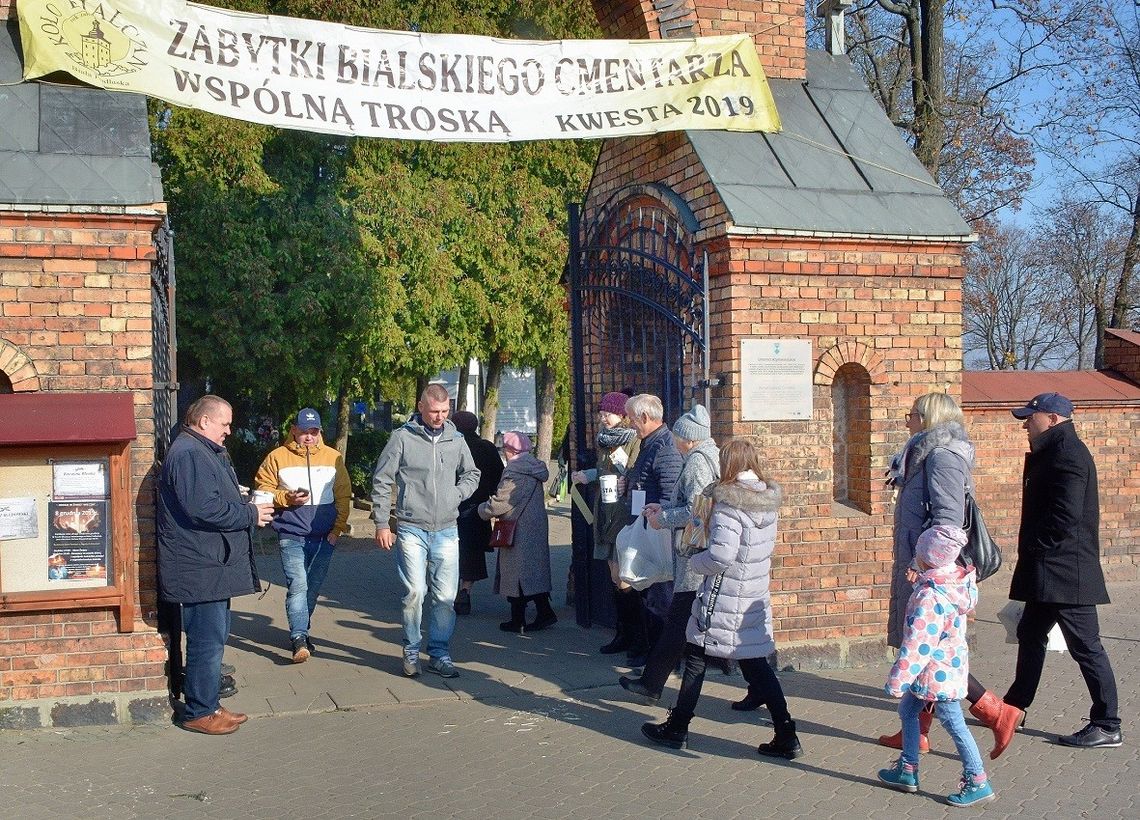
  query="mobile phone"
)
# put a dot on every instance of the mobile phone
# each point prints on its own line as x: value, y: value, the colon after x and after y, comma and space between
x: 301, y: 490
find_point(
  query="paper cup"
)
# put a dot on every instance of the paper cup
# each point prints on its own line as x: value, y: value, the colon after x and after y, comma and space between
x: 262, y: 497
x: 609, y: 489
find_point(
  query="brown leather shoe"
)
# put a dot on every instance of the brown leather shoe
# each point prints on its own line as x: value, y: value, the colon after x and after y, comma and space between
x: 215, y: 724
x: 236, y: 717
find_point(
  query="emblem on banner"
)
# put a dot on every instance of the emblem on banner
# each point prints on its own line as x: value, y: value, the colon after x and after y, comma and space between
x: 96, y: 46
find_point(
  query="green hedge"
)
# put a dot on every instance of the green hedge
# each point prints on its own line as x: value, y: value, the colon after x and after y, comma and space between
x: 364, y: 448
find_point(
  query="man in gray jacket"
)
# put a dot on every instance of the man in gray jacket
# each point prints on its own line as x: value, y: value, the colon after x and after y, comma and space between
x: 431, y: 467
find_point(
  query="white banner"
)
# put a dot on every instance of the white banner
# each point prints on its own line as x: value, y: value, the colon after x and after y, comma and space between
x: 336, y: 79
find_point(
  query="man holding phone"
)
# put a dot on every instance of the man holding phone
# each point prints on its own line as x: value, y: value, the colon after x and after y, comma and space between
x: 312, y: 495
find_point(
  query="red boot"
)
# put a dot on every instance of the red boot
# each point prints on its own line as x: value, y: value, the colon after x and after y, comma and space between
x: 1000, y: 717
x: 895, y: 741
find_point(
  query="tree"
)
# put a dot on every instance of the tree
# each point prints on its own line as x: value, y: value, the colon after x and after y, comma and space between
x: 1011, y: 304
x: 1092, y: 133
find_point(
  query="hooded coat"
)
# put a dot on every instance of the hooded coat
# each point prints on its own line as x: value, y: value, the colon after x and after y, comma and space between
x: 937, y: 466
x: 934, y: 661
x: 736, y: 620
x: 700, y: 469
x: 524, y: 567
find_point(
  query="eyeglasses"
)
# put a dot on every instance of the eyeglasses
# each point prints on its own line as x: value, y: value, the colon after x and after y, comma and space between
x: 913, y: 414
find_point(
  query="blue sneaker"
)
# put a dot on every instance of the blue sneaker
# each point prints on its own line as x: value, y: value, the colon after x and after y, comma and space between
x: 411, y: 662
x: 902, y: 777
x: 971, y: 793
x: 443, y: 667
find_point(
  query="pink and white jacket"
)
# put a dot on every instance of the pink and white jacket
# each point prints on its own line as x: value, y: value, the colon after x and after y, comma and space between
x: 934, y: 662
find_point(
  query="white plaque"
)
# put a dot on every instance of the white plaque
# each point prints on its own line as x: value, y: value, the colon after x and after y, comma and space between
x: 775, y: 379
x: 18, y: 519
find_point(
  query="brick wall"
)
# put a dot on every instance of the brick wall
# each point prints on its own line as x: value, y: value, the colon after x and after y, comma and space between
x: 75, y: 316
x: 7, y: 9
x: 891, y: 310
x: 1122, y: 353
x: 1111, y: 433
x: 777, y: 28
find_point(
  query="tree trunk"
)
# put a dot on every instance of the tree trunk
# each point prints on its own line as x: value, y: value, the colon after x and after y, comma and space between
x: 493, y: 378
x: 545, y: 387
x: 930, y: 111
x: 461, y: 384
x: 421, y: 386
x: 1121, y: 301
x: 343, y: 405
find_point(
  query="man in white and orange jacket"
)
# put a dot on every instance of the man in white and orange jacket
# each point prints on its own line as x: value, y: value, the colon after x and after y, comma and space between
x: 311, y: 496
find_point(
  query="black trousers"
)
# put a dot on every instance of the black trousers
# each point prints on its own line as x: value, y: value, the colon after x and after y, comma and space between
x: 761, y: 679
x: 1081, y: 629
x: 670, y: 643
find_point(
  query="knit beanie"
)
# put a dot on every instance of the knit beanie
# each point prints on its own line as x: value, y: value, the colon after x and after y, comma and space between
x: 519, y: 442
x: 939, y: 546
x: 613, y: 403
x: 694, y: 425
x: 464, y: 421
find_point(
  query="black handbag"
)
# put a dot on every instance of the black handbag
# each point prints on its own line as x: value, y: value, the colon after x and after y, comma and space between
x: 981, y: 550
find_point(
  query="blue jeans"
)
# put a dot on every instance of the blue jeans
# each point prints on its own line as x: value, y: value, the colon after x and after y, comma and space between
x: 207, y: 628
x: 428, y: 560
x: 306, y: 563
x: 949, y: 713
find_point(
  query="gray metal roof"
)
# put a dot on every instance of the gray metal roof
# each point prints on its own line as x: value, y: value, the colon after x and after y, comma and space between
x: 70, y: 145
x: 839, y: 166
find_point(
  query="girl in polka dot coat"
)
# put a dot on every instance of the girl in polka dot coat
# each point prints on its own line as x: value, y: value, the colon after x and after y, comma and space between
x: 933, y: 663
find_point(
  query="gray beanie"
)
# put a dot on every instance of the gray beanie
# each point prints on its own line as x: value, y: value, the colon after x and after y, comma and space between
x: 694, y: 425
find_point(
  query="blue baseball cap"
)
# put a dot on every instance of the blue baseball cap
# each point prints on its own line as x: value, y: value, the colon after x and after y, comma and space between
x: 309, y: 419
x: 1045, y: 403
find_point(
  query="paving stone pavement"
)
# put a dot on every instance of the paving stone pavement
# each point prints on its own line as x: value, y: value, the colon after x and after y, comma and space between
x: 535, y: 726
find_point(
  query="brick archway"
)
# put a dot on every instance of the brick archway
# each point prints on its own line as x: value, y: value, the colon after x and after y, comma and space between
x: 849, y: 353
x: 19, y: 369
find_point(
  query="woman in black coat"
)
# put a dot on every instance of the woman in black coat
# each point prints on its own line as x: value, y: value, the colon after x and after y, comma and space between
x: 474, y: 532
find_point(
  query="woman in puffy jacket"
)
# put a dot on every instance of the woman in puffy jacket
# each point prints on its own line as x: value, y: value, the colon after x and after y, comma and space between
x: 732, y: 615
x: 932, y: 475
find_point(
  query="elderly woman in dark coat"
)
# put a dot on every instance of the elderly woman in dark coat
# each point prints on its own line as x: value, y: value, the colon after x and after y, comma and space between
x: 932, y: 474
x: 523, y: 570
x: 474, y: 532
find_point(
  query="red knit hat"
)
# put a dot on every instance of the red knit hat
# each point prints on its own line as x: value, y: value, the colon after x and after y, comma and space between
x: 613, y: 403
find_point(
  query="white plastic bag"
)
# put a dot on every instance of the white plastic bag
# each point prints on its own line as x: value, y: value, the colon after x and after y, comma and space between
x: 644, y: 555
x: 1010, y: 617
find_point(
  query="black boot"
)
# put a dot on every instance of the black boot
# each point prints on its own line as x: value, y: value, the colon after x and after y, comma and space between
x: 620, y: 643
x: 544, y: 615
x: 642, y: 692
x: 674, y: 732
x: 517, y: 623
x: 785, y: 744
x: 750, y: 702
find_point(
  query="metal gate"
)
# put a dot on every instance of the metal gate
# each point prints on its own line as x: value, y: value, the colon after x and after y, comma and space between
x: 163, y: 341
x: 638, y: 295
x: 639, y: 324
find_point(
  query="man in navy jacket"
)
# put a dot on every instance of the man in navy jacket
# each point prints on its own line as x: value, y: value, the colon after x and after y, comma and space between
x: 205, y: 554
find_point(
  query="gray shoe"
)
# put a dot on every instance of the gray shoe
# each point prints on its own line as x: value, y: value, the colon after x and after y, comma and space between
x: 443, y: 667
x: 412, y: 664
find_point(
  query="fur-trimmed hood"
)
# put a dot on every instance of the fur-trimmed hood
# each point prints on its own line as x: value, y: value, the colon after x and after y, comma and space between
x: 950, y: 435
x: 752, y: 497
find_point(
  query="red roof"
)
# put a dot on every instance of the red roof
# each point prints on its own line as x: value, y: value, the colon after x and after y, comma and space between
x: 1127, y: 335
x: 1013, y: 388
x: 28, y: 419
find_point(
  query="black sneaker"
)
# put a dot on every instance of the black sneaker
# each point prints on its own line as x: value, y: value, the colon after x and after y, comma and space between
x: 639, y: 690
x: 228, y: 669
x: 300, y: 649
x: 1092, y: 737
x: 227, y: 687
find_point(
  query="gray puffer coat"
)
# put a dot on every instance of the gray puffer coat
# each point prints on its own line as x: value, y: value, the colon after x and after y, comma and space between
x: 524, y: 567
x: 742, y: 537
x: 937, y: 467
x: 701, y: 468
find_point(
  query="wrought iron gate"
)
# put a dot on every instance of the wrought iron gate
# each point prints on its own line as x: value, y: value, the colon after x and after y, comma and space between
x: 639, y: 323
x: 163, y: 340
x: 638, y: 296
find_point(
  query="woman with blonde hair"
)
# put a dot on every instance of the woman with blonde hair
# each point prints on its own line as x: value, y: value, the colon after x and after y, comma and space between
x: 732, y: 615
x: 933, y: 474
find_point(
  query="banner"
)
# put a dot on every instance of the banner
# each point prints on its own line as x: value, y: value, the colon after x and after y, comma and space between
x: 336, y: 79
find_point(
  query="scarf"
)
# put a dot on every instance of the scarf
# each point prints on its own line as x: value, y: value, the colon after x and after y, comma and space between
x: 610, y: 438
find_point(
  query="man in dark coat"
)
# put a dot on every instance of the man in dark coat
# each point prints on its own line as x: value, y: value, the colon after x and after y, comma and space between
x: 1058, y: 573
x: 474, y: 532
x: 205, y: 554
